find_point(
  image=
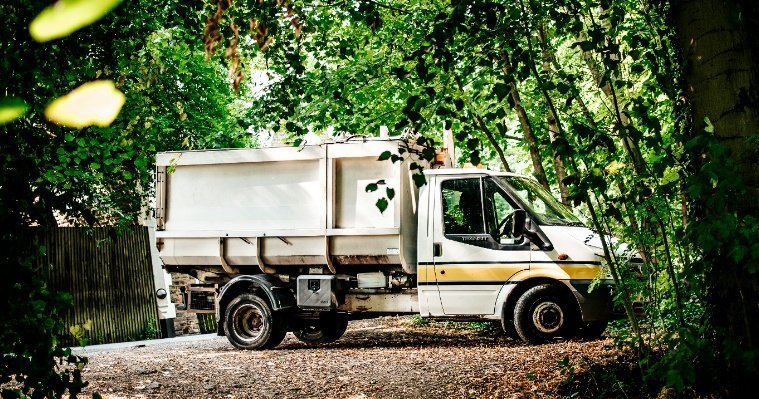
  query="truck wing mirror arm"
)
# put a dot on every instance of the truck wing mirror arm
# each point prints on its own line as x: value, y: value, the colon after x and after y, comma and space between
x: 518, y: 224
x: 539, y: 239
x: 535, y: 235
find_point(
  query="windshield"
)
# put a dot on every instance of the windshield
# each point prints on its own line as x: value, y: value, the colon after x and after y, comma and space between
x: 540, y: 202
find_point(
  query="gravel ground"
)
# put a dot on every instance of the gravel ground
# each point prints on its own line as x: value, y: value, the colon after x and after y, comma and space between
x: 390, y: 357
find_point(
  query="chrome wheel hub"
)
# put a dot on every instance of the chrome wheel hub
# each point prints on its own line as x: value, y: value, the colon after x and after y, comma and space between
x: 249, y: 322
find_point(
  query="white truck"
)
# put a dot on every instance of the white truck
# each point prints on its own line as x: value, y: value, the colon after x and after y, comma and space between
x: 299, y: 244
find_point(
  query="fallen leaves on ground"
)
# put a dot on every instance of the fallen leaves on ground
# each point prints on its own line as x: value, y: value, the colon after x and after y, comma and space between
x: 390, y: 357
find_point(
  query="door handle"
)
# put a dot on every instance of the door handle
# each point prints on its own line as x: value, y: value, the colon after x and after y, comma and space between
x: 437, y: 249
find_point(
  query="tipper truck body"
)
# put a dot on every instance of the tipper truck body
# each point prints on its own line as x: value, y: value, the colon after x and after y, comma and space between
x: 296, y: 240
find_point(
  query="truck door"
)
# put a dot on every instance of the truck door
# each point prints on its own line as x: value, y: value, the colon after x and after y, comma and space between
x: 475, y: 254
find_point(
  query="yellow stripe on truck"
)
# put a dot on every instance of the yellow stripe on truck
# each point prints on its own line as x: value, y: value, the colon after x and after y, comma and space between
x: 504, y: 272
x: 471, y: 272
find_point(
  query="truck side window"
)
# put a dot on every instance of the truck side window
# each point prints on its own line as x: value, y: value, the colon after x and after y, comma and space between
x: 462, y: 206
x: 498, y: 211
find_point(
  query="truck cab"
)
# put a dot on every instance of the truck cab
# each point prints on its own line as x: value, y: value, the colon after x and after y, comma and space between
x: 491, y: 237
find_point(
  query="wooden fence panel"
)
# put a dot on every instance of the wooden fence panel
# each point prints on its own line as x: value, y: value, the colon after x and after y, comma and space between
x: 109, y: 273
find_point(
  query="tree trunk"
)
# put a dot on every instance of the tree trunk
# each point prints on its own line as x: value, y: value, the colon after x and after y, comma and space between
x: 553, y: 126
x: 524, y: 121
x: 491, y: 138
x: 558, y: 162
x: 622, y: 121
x: 721, y: 82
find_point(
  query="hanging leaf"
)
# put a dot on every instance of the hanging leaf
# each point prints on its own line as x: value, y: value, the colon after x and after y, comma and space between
x: 390, y: 193
x: 382, y: 204
x: 501, y: 90
x: 67, y: 16
x: 11, y: 108
x: 94, y: 103
x: 384, y: 156
x: 419, y: 179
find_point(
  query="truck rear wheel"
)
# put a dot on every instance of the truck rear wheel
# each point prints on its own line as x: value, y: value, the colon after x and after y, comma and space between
x: 250, y: 323
x: 543, y: 313
x: 328, y: 328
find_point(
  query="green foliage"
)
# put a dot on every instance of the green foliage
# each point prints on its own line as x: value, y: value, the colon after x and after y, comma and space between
x: 599, y: 84
x: 419, y: 321
x: 175, y: 99
x: 32, y: 361
x: 80, y: 332
x: 150, y: 331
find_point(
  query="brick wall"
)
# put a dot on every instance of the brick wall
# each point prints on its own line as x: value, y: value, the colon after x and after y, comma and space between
x: 185, y: 323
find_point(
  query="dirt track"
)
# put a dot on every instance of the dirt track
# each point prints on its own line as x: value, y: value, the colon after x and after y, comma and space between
x: 383, y: 358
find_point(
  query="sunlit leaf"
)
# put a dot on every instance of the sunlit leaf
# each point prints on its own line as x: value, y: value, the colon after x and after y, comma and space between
x: 709, y: 127
x: 614, y: 167
x: 11, y: 108
x: 67, y: 16
x: 94, y: 103
x: 76, y: 330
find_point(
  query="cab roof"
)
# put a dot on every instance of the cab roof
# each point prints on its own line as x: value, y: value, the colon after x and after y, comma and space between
x: 470, y: 171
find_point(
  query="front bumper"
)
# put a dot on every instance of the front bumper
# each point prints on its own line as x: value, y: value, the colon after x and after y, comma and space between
x: 596, y: 300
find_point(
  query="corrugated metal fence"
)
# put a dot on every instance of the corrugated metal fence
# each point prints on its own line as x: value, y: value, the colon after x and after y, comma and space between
x: 108, y: 272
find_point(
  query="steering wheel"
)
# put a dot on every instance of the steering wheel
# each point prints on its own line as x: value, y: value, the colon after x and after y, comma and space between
x: 508, y: 220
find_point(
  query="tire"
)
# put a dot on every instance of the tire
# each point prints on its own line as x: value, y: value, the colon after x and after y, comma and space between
x: 507, y: 323
x: 328, y: 328
x: 544, y: 313
x: 250, y: 323
x: 509, y: 329
x: 592, y: 330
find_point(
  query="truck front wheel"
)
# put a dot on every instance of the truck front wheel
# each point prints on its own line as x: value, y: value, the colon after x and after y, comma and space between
x: 250, y: 323
x: 328, y: 328
x: 543, y: 313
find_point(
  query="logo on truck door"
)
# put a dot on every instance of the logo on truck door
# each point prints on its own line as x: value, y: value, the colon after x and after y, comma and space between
x: 473, y: 238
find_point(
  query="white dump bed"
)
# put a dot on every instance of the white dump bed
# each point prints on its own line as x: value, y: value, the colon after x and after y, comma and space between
x: 239, y: 210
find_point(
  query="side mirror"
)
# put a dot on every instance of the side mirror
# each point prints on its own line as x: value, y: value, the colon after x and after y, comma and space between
x: 517, y: 227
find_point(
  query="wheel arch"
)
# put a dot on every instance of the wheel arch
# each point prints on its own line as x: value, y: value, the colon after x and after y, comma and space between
x: 273, y: 290
x: 524, y: 285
